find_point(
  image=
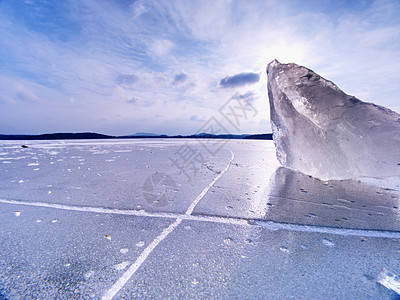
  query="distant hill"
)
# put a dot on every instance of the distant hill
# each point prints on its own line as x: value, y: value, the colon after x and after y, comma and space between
x: 57, y: 136
x: 266, y: 136
x: 263, y: 136
x: 141, y: 134
x: 93, y: 135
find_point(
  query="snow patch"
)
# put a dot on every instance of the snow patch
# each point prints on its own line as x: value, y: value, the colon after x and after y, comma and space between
x: 122, y: 265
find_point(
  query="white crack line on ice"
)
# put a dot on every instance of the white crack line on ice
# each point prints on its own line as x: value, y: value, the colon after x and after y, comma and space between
x: 269, y: 225
x: 140, y: 260
x: 146, y: 252
x: 373, y: 233
x: 138, y: 213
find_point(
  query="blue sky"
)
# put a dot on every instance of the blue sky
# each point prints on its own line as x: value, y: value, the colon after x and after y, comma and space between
x: 120, y: 67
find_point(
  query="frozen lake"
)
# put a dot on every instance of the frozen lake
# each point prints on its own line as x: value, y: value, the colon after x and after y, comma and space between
x: 175, y: 218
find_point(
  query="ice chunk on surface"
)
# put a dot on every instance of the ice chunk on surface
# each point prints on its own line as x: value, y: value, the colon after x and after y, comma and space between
x: 389, y: 280
x: 323, y: 132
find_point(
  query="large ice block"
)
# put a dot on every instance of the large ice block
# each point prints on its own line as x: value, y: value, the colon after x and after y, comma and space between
x: 323, y: 132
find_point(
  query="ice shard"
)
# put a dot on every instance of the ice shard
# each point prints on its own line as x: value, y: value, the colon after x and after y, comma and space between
x: 321, y: 131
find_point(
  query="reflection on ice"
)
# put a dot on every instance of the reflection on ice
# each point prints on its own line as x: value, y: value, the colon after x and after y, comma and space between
x: 389, y: 280
x: 301, y: 199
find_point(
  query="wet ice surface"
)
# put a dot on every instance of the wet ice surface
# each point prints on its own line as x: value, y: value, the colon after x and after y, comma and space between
x: 71, y: 258
x: 226, y: 248
x: 105, y: 174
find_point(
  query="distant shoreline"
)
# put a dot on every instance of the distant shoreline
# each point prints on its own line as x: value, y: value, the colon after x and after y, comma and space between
x: 93, y: 135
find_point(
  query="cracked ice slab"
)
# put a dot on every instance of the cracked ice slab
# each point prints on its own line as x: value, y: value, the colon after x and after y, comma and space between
x: 247, y: 237
x: 48, y: 253
x: 222, y: 261
x: 257, y: 188
x: 109, y: 174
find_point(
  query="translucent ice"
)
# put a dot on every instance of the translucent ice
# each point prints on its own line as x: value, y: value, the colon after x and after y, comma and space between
x: 323, y: 132
x: 389, y: 280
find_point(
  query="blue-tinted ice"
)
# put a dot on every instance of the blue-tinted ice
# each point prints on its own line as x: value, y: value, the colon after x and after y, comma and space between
x: 74, y: 220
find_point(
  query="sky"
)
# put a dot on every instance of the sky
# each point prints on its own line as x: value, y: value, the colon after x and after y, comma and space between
x: 181, y: 67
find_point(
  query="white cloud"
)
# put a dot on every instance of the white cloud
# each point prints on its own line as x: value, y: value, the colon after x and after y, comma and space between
x: 138, y: 8
x: 161, y: 47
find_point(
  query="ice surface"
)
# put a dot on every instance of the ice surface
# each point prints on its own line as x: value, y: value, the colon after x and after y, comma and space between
x: 109, y: 174
x: 323, y: 132
x: 260, y: 232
